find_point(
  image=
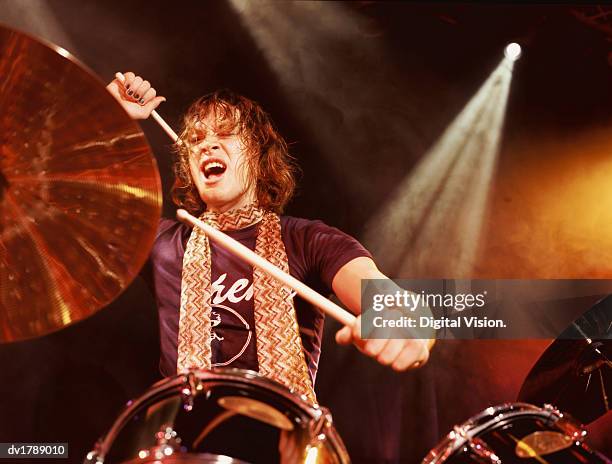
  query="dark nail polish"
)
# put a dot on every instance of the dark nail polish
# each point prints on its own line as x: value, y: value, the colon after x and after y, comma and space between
x: 127, y: 87
x: 136, y: 96
x: 141, y: 101
x: 129, y: 92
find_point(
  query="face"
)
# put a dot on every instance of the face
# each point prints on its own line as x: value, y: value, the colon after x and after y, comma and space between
x: 219, y: 168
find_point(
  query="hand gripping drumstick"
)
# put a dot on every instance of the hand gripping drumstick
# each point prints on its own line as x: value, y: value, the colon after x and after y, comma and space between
x: 164, y: 125
x: 327, y: 306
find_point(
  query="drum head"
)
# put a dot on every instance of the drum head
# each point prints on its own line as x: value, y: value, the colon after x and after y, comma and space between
x: 227, y: 413
x: 515, y: 432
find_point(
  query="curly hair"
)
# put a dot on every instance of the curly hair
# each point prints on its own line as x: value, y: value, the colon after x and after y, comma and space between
x: 269, y: 166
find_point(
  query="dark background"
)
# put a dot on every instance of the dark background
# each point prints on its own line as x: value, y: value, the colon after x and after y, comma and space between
x: 361, y: 91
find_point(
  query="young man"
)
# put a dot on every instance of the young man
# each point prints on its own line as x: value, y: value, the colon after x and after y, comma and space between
x: 234, y: 171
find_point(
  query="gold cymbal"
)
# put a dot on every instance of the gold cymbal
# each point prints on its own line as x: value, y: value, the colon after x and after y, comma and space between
x: 80, y: 195
x: 575, y: 372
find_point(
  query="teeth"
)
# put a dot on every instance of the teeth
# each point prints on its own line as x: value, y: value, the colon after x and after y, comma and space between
x: 210, y: 166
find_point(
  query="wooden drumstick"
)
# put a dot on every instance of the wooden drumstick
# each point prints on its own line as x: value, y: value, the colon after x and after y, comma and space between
x: 164, y: 125
x: 237, y: 248
x: 328, y: 307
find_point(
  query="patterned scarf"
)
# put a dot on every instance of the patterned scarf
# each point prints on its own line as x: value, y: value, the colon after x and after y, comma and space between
x: 279, y: 346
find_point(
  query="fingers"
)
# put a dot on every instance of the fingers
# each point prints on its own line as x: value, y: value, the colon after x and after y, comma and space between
x: 151, y: 105
x: 425, y: 351
x: 128, y: 80
x: 412, y: 356
x: 390, y: 351
x: 148, y: 95
x: 374, y: 346
x: 136, y: 82
x: 349, y: 333
x: 344, y: 335
x: 132, y: 83
x: 141, y: 90
x: 399, y: 353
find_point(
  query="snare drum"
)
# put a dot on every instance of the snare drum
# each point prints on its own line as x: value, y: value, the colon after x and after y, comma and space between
x: 225, y: 416
x: 516, y: 433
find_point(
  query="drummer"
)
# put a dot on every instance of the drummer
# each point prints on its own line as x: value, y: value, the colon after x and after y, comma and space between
x: 234, y: 171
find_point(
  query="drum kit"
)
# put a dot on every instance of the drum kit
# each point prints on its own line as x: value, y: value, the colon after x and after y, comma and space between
x: 80, y: 199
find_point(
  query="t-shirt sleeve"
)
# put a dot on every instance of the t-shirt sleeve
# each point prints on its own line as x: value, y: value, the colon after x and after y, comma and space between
x: 146, y: 272
x: 326, y: 249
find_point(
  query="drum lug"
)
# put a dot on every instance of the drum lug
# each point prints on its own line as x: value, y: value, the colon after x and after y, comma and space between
x: 568, y: 425
x: 553, y: 409
x: 93, y: 458
x: 191, y: 387
x: 476, y: 446
x: 168, y: 436
x: 321, y: 422
x: 482, y: 451
x: 317, y: 431
x: 305, y: 399
x: 168, y: 443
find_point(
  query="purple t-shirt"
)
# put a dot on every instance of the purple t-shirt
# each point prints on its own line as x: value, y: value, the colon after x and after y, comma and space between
x: 315, y: 252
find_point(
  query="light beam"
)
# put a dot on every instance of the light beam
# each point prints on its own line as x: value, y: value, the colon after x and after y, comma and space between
x: 432, y: 224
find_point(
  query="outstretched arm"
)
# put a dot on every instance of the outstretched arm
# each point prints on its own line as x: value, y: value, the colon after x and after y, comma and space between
x: 400, y: 354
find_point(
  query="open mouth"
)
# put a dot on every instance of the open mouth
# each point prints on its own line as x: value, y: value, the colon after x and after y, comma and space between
x: 213, y: 168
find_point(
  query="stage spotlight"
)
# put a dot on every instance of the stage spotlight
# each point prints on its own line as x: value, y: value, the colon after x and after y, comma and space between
x: 512, y: 51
